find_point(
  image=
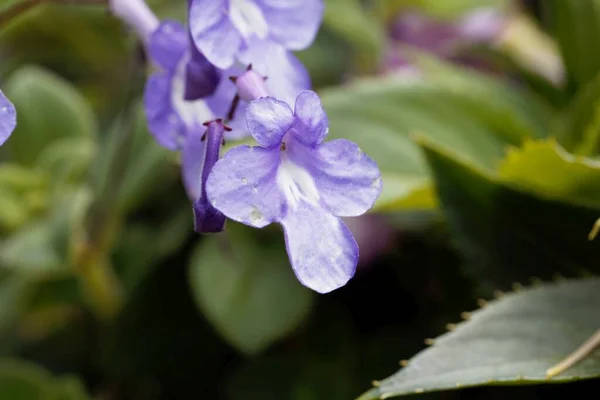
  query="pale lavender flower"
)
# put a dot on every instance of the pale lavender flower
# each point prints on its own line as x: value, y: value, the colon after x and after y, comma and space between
x: 224, y: 30
x: 301, y: 182
x: 189, y: 90
x: 235, y: 33
x: 286, y: 77
x: 443, y: 38
x: 173, y: 98
x: 8, y: 118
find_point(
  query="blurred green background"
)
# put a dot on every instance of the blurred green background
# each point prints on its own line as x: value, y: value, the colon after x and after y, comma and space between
x: 106, y: 292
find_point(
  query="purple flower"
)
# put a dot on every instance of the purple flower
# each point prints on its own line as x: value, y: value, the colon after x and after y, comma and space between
x: 188, y: 91
x: 173, y: 96
x: 286, y: 77
x: 8, y: 118
x: 297, y: 180
x: 199, y: 155
x: 443, y: 38
x: 185, y: 74
x: 225, y: 29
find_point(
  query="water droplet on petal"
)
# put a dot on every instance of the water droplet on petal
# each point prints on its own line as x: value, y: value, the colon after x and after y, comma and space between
x: 255, y: 216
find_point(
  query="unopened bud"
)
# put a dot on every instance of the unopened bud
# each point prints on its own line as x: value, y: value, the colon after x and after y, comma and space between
x: 250, y: 85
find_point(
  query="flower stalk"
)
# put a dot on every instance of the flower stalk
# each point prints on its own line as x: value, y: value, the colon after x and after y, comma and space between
x: 92, y: 254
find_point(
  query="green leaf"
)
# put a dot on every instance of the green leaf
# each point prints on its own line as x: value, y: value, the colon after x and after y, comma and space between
x: 576, y: 27
x: 438, y: 9
x: 22, y: 179
x: 149, y: 168
x: 67, y: 160
x: 49, y: 108
x: 383, y: 114
x: 139, y: 259
x: 350, y: 20
x: 13, y: 212
x: 546, y: 168
x: 513, y: 340
x: 23, y: 192
x: 510, y: 113
x: 15, y: 292
x: 457, y: 8
x: 44, y: 246
x: 30, y: 249
x: 510, y: 232
x: 578, y: 126
x: 20, y: 380
x: 327, y: 60
x: 246, y: 288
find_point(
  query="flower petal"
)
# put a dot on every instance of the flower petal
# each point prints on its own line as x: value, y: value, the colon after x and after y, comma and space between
x: 163, y: 121
x: 311, y: 121
x: 201, y: 77
x: 286, y: 76
x: 192, y: 162
x: 268, y: 119
x: 347, y: 180
x: 191, y: 112
x: 482, y: 25
x: 293, y: 23
x: 8, y: 118
x: 242, y: 185
x: 322, y: 251
x: 213, y: 33
x: 168, y: 43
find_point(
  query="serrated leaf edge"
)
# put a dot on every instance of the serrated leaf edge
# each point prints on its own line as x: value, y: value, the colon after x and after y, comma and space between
x: 517, y: 288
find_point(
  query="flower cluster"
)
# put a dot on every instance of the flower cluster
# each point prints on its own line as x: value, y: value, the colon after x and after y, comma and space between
x: 231, y: 73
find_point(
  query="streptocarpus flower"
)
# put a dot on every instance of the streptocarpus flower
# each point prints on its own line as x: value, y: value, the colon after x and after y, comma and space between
x: 173, y: 96
x: 301, y: 182
x: 8, y: 118
x: 224, y: 30
x: 201, y: 151
x: 286, y: 77
x: 189, y: 90
x: 185, y: 74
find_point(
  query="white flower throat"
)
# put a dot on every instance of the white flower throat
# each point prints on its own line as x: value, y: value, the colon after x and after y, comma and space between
x: 296, y: 183
x: 248, y: 19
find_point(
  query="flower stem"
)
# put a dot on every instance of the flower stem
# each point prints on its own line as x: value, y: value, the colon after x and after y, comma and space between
x: 92, y: 256
x: 101, y: 286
